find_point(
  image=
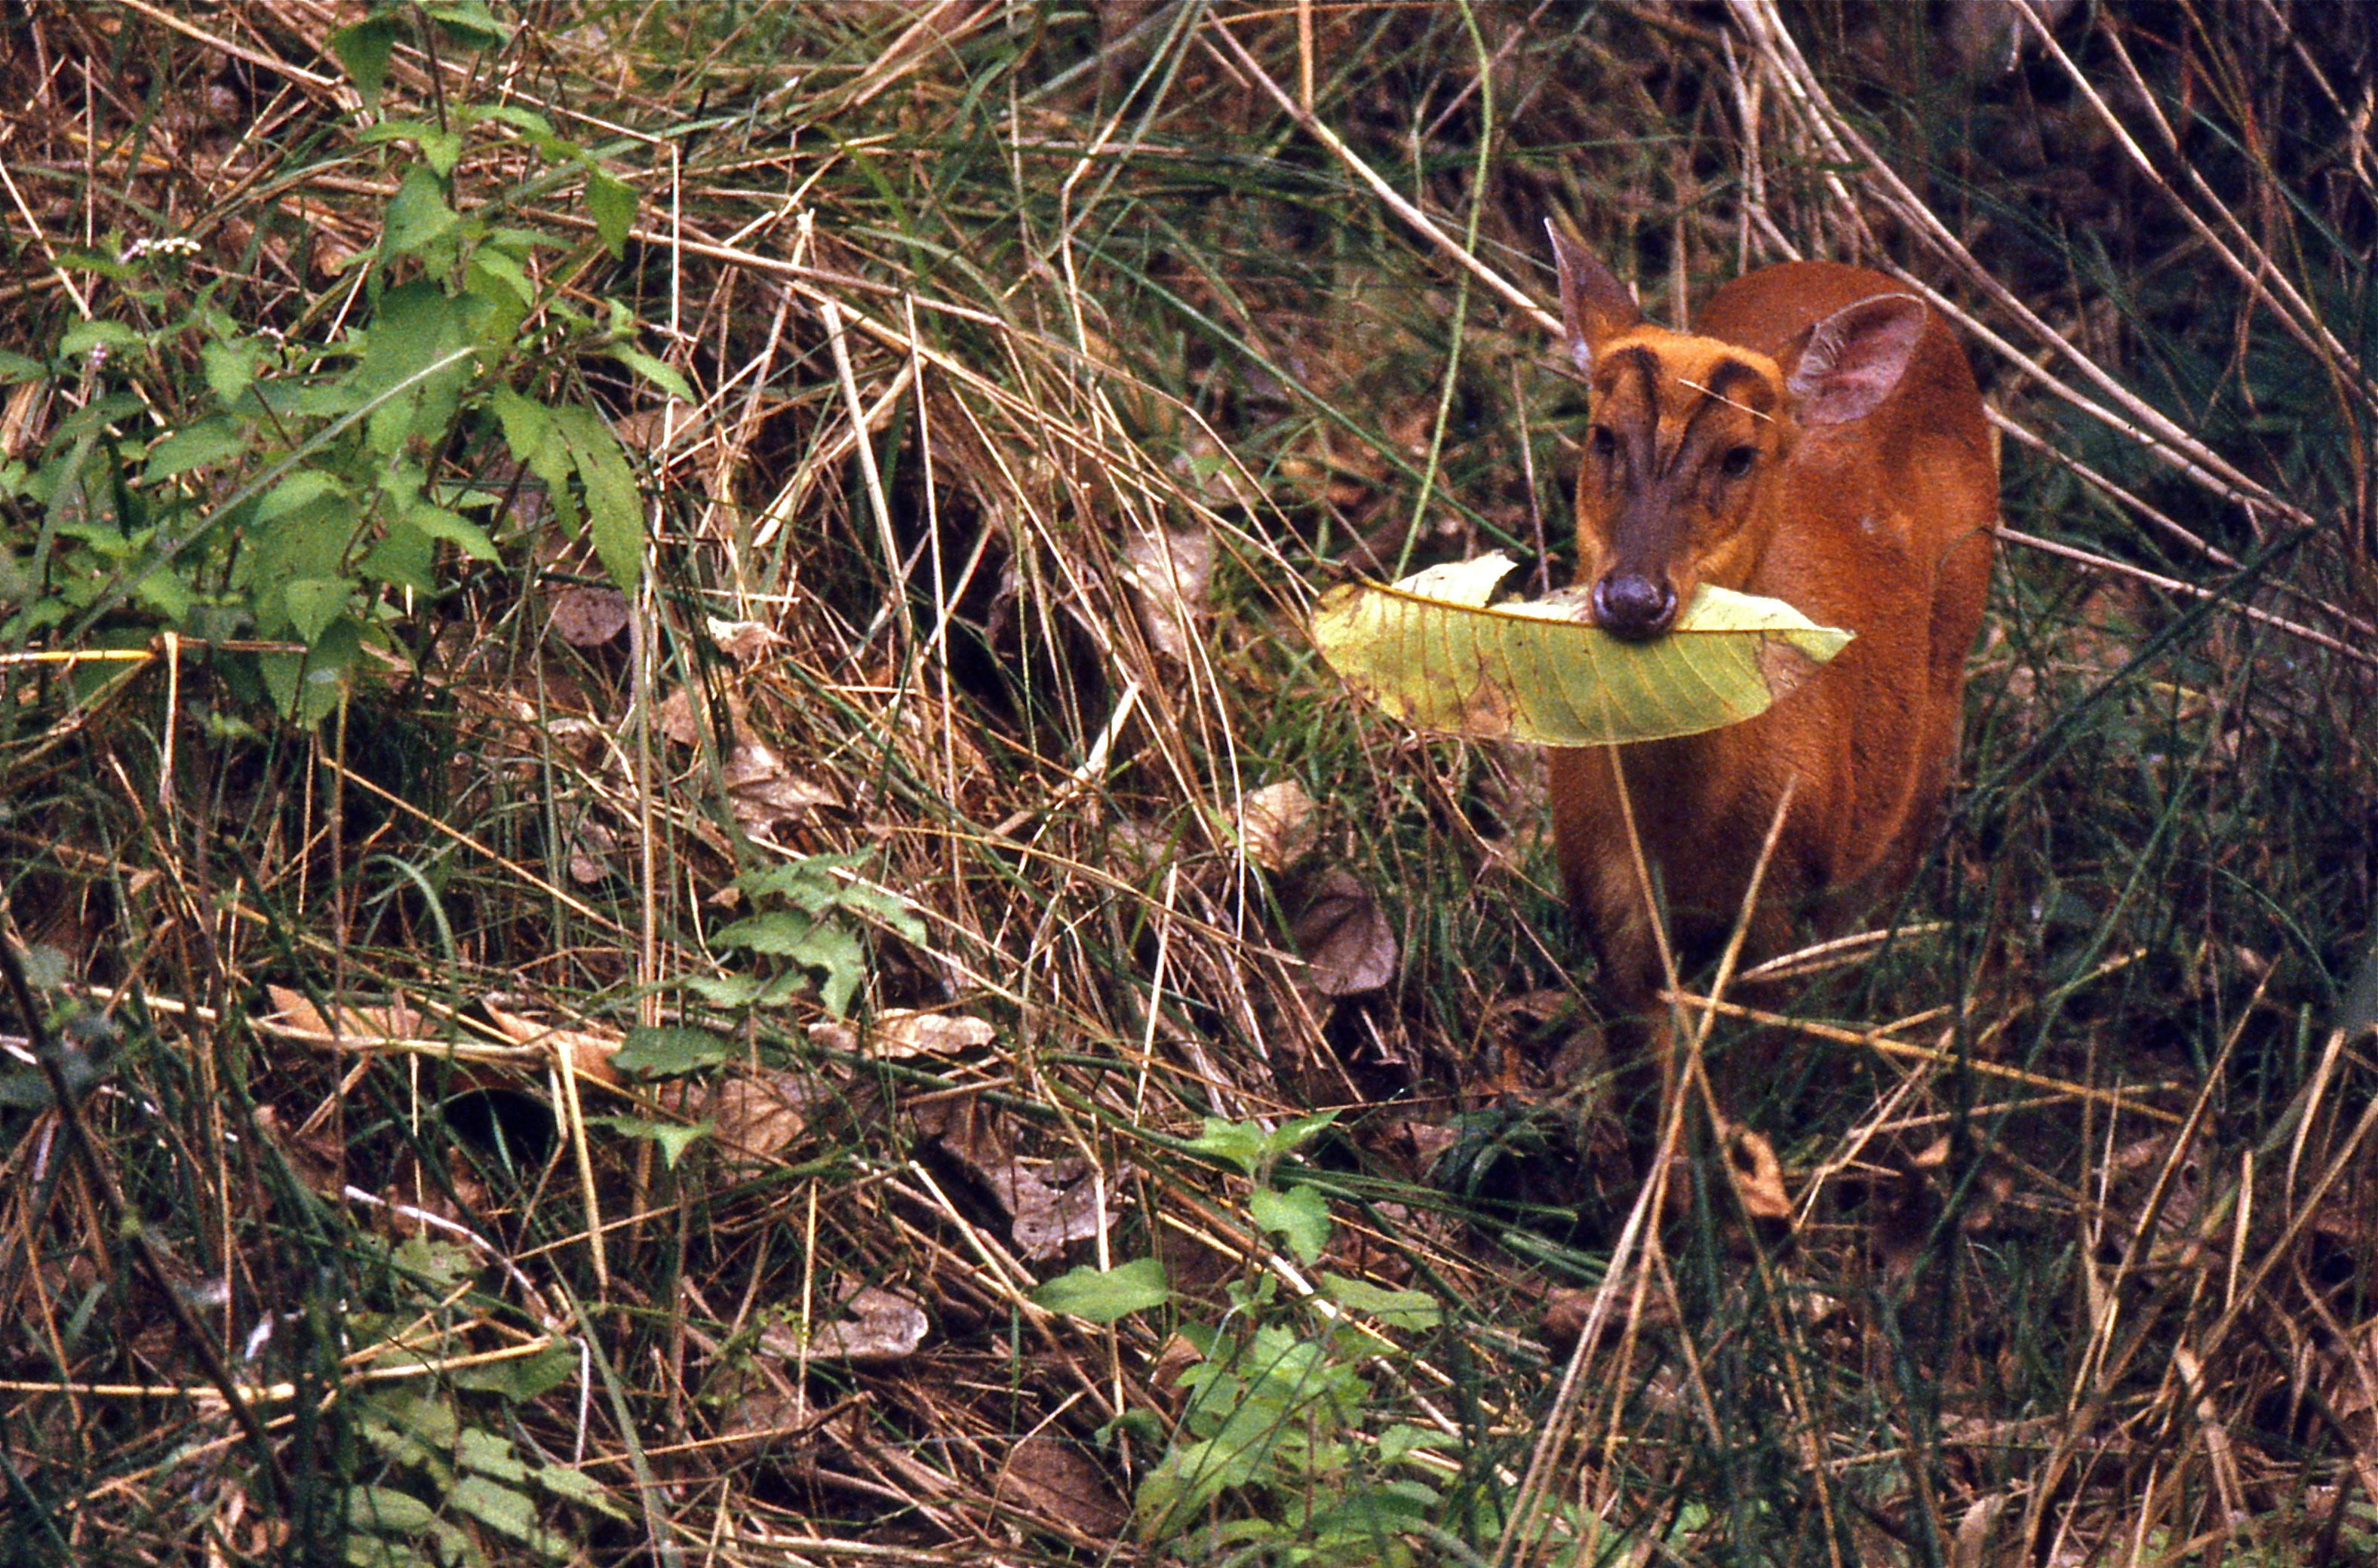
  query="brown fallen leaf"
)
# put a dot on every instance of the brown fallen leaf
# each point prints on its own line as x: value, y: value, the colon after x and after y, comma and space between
x: 588, y: 1053
x: 1050, y: 1203
x: 1171, y: 569
x: 294, y: 1014
x: 746, y: 642
x: 1756, y: 1173
x: 756, y: 1117
x: 901, y: 1032
x: 762, y: 792
x: 1276, y: 825
x: 1343, y: 935
x: 1050, y: 1477
x: 588, y: 617
x: 880, y: 1326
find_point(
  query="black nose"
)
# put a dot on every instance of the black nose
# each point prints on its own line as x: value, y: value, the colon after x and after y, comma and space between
x: 1631, y: 605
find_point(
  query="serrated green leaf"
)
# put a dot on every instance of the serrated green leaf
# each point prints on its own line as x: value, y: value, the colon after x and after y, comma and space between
x: 363, y: 52
x: 1100, y: 1296
x: 314, y: 602
x: 452, y: 528
x: 468, y: 23
x: 483, y: 1452
x: 417, y: 214
x: 1396, y: 1309
x: 84, y: 336
x: 500, y: 1508
x: 668, y: 1049
x: 1301, y: 1215
x: 387, y: 1510
x: 521, y: 1379
x: 615, y: 511
x: 576, y: 1486
x: 1430, y: 651
x: 230, y: 369
x: 195, y: 446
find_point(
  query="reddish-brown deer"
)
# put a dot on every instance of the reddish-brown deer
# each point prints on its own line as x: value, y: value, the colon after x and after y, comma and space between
x: 1817, y: 438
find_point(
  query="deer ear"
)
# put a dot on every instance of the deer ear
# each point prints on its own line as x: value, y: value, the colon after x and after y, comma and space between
x: 1853, y: 358
x: 1595, y: 307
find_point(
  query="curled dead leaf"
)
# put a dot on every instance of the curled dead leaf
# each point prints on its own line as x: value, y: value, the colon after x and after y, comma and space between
x: 746, y: 642
x: 877, y: 1326
x: 1276, y: 825
x: 1171, y: 570
x: 1756, y: 1173
x: 764, y: 793
x: 1050, y: 1203
x: 901, y: 1032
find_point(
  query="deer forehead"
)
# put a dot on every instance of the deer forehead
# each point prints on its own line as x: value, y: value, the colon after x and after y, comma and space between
x: 1677, y: 379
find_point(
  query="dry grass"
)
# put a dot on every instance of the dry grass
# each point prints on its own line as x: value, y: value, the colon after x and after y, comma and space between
x: 1044, y: 365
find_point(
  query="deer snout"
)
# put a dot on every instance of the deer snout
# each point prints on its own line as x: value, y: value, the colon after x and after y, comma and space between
x: 1633, y: 605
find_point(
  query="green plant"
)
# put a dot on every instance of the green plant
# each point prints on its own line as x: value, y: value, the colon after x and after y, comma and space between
x: 1278, y: 1451
x: 437, y: 1479
x: 315, y: 485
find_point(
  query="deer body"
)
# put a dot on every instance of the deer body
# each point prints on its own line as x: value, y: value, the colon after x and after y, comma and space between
x: 1818, y: 439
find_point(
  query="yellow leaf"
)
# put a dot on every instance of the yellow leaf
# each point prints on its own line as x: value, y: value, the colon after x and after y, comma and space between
x: 1432, y: 652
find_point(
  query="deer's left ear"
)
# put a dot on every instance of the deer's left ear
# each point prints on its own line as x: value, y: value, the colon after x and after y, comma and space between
x: 1853, y: 358
x: 1595, y: 307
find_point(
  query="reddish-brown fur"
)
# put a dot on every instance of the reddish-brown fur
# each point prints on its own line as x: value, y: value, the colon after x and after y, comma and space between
x: 1858, y: 483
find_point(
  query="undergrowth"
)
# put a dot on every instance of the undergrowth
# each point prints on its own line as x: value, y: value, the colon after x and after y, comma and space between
x: 679, y: 888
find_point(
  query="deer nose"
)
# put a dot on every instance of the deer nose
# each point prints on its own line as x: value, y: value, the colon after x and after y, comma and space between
x: 1634, y: 606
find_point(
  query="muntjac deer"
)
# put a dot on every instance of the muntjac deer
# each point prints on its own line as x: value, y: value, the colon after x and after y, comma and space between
x: 1817, y: 438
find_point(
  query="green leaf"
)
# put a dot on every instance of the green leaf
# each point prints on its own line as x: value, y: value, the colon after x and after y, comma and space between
x: 1431, y: 653
x: 402, y: 557
x: 414, y: 364
x: 452, y: 528
x: 193, y: 446
x: 814, y: 944
x: 664, y: 377
x: 612, y: 203
x: 500, y: 1508
x: 230, y: 369
x: 668, y: 1049
x: 484, y: 1452
x: 469, y: 23
x: 301, y: 490
x: 615, y: 512
x: 1100, y: 1296
x: 388, y: 1511
x: 363, y: 52
x: 314, y: 602
x: 674, y: 1137
x: 1300, y: 1214
x: 84, y: 336
x: 576, y: 1486
x: 1246, y: 1145
x: 1396, y: 1309
x: 15, y: 368
x: 417, y: 215
x: 521, y: 1379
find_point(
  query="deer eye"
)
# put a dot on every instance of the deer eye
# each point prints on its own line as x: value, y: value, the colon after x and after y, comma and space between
x: 1737, y: 461
x: 1603, y: 442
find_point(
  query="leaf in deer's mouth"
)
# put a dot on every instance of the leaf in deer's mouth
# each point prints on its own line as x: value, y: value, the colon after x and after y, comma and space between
x: 1431, y: 652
